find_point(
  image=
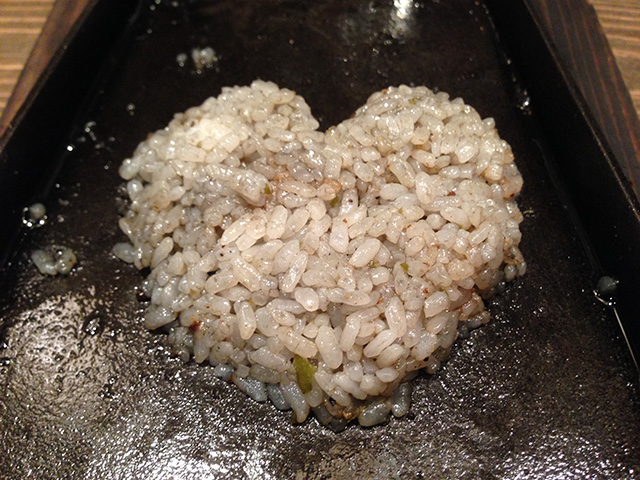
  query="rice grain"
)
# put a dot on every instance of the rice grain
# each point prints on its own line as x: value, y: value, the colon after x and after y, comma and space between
x: 357, y: 254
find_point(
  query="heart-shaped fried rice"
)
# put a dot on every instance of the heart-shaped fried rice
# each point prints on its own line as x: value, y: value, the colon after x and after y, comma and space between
x: 322, y: 270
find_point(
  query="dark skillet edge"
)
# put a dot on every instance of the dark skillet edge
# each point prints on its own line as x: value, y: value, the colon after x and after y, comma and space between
x: 28, y: 152
x: 597, y: 193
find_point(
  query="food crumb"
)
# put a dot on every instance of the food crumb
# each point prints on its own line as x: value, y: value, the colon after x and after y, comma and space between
x: 34, y: 215
x: 54, y: 260
x: 203, y: 58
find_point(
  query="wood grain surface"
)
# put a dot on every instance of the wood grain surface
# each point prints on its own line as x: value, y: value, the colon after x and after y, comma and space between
x: 20, y: 24
x: 620, y: 20
x: 585, y: 34
x: 582, y: 48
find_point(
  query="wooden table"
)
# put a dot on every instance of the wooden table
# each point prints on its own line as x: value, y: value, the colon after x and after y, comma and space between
x: 20, y: 24
x: 620, y: 20
x: 571, y: 21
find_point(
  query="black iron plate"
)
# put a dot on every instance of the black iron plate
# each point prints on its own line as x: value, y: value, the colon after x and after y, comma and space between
x: 546, y: 390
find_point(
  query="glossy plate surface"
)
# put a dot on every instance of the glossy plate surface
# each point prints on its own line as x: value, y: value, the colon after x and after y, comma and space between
x: 546, y: 390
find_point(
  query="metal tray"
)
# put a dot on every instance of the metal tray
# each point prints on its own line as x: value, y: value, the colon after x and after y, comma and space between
x: 547, y: 390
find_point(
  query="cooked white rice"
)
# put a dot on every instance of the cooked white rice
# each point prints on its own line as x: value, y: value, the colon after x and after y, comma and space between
x: 322, y: 270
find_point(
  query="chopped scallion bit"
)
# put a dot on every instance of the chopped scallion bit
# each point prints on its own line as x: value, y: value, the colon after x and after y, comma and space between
x: 305, y: 371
